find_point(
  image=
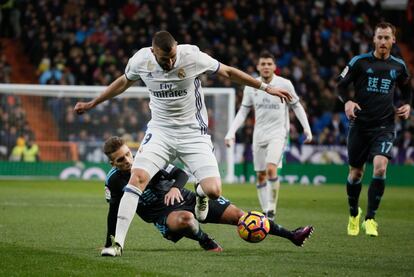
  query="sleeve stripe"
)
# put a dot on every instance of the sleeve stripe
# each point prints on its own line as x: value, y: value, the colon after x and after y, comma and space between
x: 399, y: 61
x: 356, y: 58
x: 128, y: 78
x: 110, y: 173
x: 218, y: 67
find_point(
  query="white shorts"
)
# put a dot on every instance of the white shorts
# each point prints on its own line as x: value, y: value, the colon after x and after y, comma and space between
x: 162, y: 146
x: 272, y: 152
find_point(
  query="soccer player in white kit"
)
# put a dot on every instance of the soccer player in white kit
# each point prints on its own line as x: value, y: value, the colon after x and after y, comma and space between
x: 271, y: 130
x: 178, y: 125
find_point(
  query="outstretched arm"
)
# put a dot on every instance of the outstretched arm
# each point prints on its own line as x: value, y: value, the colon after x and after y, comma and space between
x: 115, y: 88
x: 303, y: 119
x: 242, y: 78
x: 237, y: 122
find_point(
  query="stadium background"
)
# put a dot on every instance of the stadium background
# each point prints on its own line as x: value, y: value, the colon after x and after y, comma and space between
x: 55, y: 228
x: 89, y: 43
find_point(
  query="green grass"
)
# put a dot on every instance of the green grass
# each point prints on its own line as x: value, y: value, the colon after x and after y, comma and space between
x: 56, y: 228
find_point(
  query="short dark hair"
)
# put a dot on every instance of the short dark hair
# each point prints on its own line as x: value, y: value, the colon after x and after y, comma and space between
x: 112, y: 145
x: 266, y: 55
x: 385, y: 25
x: 163, y: 40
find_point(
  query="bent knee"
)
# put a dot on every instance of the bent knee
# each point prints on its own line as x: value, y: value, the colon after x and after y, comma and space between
x: 380, y: 165
x: 139, y: 177
x: 380, y: 171
x: 215, y: 192
x: 211, y: 187
x: 356, y: 173
x: 261, y: 177
x: 186, y: 219
x: 271, y: 170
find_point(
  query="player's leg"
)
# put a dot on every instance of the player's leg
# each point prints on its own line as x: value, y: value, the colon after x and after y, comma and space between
x: 152, y: 155
x: 232, y: 214
x: 262, y: 190
x: 381, y: 151
x: 377, y: 186
x: 184, y: 222
x: 208, y: 187
x: 273, y: 186
x: 129, y: 202
x: 259, y: 162
x: 353, y: 190
x: 274, y: 154
x: 357, y: 156
x: 297, y: 236
x: 197, y: 153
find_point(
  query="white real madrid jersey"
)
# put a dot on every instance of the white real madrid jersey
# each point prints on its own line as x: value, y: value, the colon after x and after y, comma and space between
x: 272, y: 116
x: 176, y: 96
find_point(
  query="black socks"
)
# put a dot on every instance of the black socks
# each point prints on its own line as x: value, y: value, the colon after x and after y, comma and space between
x: 375, y: 192
x: 277, y: 230
x: 353, y: 190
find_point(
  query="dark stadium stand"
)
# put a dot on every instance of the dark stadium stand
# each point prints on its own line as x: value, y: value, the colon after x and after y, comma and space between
x: 89, y: 43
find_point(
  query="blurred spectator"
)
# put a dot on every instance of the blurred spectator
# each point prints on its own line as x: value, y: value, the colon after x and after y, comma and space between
x: 5, y: 69
x: 13, y: 123
x: 10, y: 19
x: 31, y: 151
x: 18, y: 150
x: 338, y: 129
x: 52, y: 75
x: 406, y: 140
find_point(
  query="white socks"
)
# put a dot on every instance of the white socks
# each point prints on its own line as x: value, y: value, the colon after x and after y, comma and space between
x: 262, y: 194
x: 127, y: 208
x: 200, y: 192
x: 273, y: 186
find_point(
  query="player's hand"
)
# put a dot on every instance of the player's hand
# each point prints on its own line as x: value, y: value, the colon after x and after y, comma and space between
x: 350, y: 109
x: 403, y: 112
x: 308, y: 135
x: 229, y: 141
x: 173, y: 196
x: 82, y: 107
x: 283, y: 94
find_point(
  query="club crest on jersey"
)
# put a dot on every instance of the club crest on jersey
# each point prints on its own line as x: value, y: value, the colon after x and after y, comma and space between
x: 344, y: 72
x: 150, y: 66
x: 181, y: 73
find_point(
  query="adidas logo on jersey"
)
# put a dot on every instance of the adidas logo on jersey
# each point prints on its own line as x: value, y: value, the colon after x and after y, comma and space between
x: 370, y: 71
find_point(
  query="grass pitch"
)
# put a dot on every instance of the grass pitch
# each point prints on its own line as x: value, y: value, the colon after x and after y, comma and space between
x: 56, y: 228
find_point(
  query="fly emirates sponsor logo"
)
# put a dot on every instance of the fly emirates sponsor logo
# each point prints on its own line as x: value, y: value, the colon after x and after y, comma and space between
x: 168, y: 91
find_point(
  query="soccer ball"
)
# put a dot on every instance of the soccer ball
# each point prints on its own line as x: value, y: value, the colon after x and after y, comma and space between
x: 253, y: 226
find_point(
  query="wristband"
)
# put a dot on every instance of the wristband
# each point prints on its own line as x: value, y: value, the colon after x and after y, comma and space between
x: 263, y: 86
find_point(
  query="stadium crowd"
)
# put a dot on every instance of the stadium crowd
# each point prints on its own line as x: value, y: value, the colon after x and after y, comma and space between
x: 13, y: 122
x: 89, y: 42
